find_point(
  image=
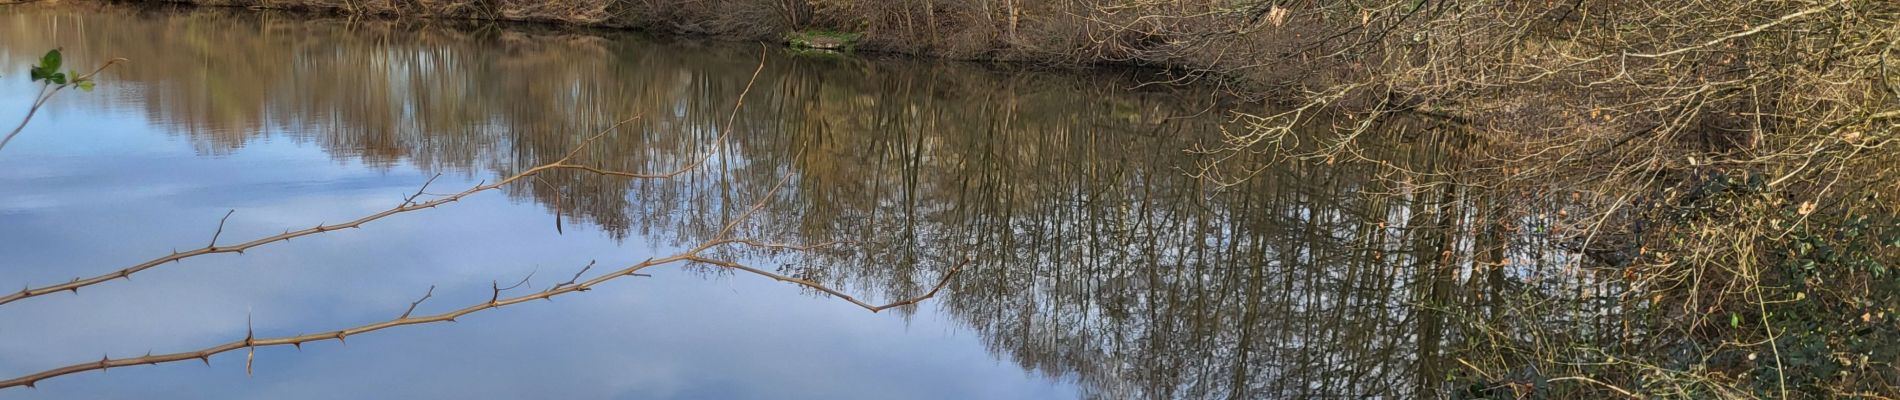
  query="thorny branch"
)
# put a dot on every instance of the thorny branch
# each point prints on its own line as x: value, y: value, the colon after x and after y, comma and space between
x: 692, y: 255
x: 408, y: 205
x: 251, y: 342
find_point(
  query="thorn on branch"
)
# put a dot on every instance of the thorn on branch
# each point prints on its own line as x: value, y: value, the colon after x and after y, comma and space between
x: 250, y: 342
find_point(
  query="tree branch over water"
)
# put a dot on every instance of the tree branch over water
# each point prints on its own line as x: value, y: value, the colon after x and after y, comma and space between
x: 689, y: 256
x: 409, y: 204
x: 54, y: 81
x: 412, y: 202
x: 696, y: 254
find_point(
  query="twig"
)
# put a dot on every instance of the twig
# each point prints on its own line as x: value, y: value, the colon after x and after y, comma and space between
x: 496, y: 286
x: 577, y: 276
x: 419, y: 191
x: 1598, y: 383
x: 1744, y: 33
x: 418, y: 302
x: 220, y: 231
x: 46, y: 93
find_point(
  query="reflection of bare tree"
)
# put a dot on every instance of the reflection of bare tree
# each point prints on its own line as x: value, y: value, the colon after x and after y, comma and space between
x: 1099, y: 259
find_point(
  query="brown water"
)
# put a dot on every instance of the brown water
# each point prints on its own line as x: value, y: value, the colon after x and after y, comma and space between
x: 1103, y: 269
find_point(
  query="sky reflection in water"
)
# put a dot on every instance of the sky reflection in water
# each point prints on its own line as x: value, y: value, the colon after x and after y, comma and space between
x: 1104, y: 271
x: 87, y: 189
x: 71, y: 208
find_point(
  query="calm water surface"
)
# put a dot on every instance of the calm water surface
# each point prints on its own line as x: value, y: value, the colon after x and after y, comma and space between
x: 1103, y: 270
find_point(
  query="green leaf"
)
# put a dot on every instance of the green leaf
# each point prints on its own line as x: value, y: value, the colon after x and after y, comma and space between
x: 1734, y: 320
x: 85, y: 85
x: 48, y: 69
x: 51, y: 61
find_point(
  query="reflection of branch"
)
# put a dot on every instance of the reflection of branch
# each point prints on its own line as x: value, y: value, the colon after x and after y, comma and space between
x: 834, y: 292
x: 691, y: 255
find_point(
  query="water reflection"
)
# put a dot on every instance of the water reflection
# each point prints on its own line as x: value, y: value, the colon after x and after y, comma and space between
x: 1099, y: 260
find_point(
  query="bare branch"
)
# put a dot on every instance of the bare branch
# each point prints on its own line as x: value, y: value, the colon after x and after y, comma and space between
x: 577, y: 276
x: 495, y: 301
x: 418, y: 302
x: 250, y: 342
x: 419, y: 191
x: 220, y: 231
x: 46, y: 93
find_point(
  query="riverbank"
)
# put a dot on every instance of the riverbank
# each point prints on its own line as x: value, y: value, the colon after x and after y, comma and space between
x: 1063, y: 34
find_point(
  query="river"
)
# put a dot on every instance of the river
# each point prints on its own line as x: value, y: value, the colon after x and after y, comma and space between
x: 1103, y: 268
